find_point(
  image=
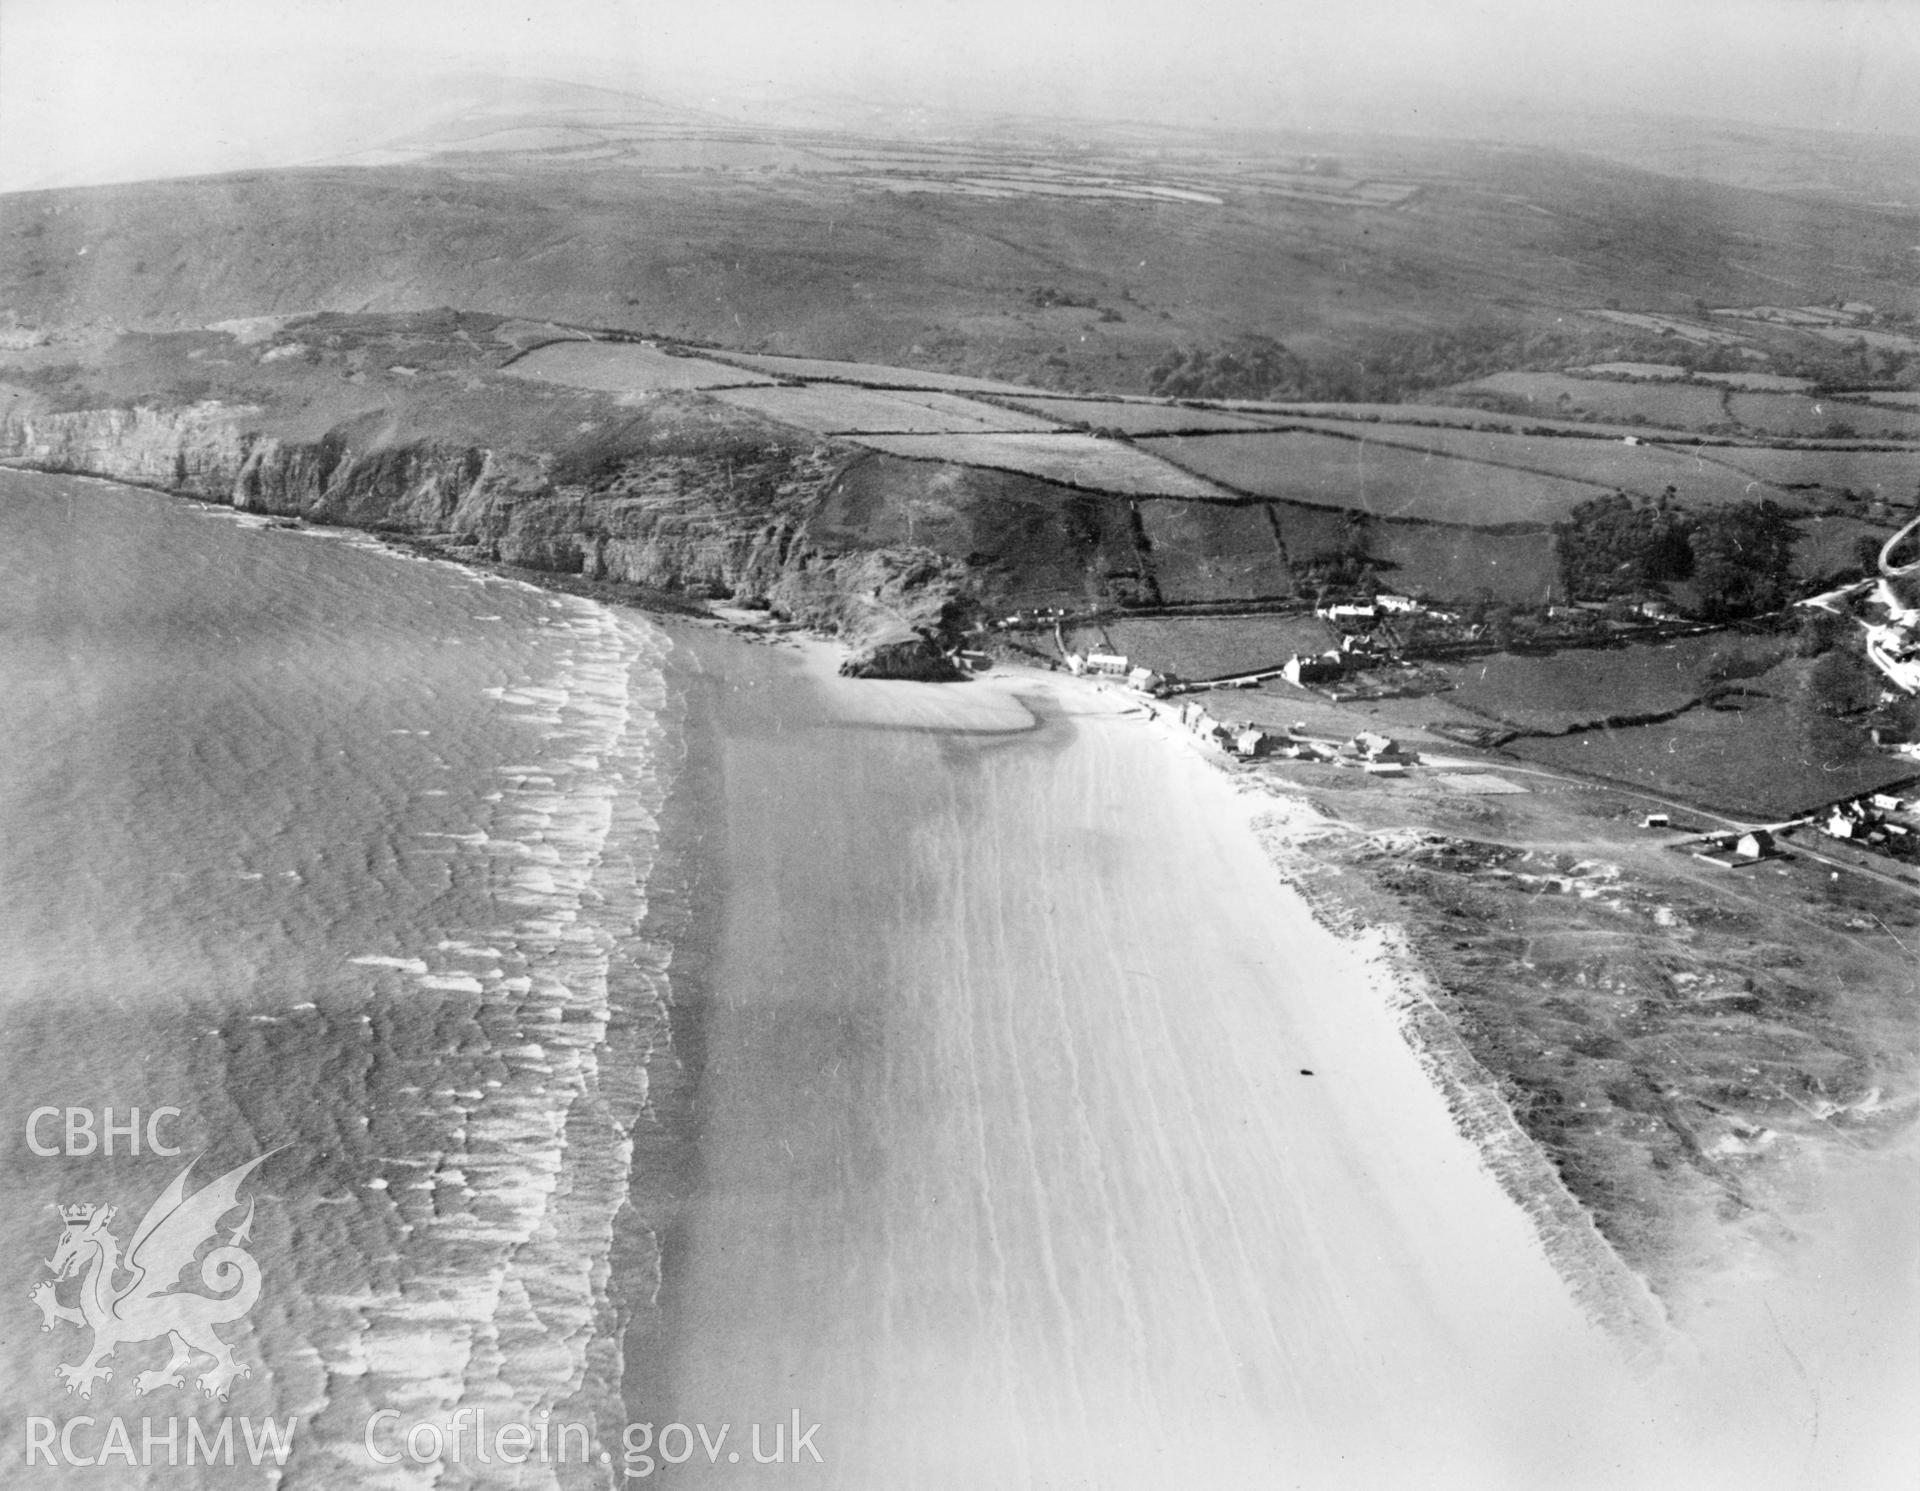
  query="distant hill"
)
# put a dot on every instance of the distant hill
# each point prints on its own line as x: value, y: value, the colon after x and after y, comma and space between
x: 1070, y: 264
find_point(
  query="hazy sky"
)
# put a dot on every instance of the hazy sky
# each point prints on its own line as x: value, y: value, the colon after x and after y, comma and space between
x: 99, y: 90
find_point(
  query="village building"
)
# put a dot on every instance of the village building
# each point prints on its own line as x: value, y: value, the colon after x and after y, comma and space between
x: 1251, y: 743
x: 1108, y: 663
x: 1657, y: 820
x: 1371, y: 746
x: 1405, y: 604
x: 1311, y: 669
x: 1347, y: 612
x: 1146, y: 680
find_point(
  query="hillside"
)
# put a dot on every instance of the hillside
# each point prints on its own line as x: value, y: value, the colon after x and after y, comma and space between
x: 1076, y: 265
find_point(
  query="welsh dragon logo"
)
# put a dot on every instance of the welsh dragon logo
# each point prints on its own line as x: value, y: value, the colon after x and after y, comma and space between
x: 148, y: 1305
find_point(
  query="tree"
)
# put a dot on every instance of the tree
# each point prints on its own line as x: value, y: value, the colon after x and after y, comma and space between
x: 1741, y: 558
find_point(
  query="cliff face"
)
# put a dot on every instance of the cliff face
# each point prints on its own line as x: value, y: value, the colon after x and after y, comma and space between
x: 726, y: 523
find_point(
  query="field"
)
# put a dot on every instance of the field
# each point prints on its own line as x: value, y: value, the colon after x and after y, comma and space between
x: 1204, y: 647
x: 1448, y: 564
x: 1891, y: 474
x: 1642, y: 468
x: 625, y: 367
x: 870, y: 374
x: 1800, y: 416
x: 1141, y: 419
x: 1384, y: 480
x: 1564, y: 690
x: 1070, y: 459
x: 838, y: 408
x: 1674, y: 406
x: 1669, y: 372
x: 1766, y: 761
x: 1211, y: 551
x: 1829, y: 548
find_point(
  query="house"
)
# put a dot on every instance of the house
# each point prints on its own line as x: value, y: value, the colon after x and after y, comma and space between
x: 1345, y: 612
x: 1251, y: 743
x: 1840, y: 826
x: 1076, y: 664
x: 1107, y: 662
x: 1370, y: 746
x: 1729, y: 851
x: 1402, y: 603
x: 1886, y: 802
x: 1305, y: 671
x: 1146, y: 680
x: 1657, y: 820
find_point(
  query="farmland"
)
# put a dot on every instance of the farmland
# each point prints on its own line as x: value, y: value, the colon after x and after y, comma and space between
x: 1384, y: 480
x: 1675, y: 406
x: 1565, y: 690
x: 1070, y: 459
x: 872, y: 375
x: 1135, y: 418
x: 1204, y: 647
x: 1890, y: 474
x: 1210, y: 551
x: 831, y: 408
x: 1764, y: 760
x: 625, y: 367
x: 1804, y: 417
x: 1461, y: 564
x: 1641, y: 467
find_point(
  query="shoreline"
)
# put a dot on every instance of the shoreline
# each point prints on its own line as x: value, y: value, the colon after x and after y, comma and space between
x: 805, y: 1036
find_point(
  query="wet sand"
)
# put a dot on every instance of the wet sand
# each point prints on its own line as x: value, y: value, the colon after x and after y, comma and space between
x: 1045, y: 1139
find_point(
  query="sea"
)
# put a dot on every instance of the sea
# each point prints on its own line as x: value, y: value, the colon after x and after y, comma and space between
x: 322, y: 856
x: 545, y: 1046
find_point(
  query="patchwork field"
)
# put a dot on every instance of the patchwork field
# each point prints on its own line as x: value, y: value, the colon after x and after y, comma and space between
x: 1071, y: 459
x: 1890, y: 474
x: 1564, y: 690
x: 1805, y: 417
x: 836, y: 408
x: 872, y: 374
x: 1767, y: 761
x: 1385, y: 480
x: 1211, y: 551
x: 1143, y: 419
x: 1642, y: 468
x: 1674, y: 406
x: 1452, y: 564
x: 625, y: 367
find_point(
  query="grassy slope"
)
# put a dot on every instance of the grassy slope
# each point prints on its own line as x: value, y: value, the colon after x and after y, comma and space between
x: 812, y: 264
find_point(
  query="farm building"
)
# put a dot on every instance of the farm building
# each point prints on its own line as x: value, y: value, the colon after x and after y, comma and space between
x: 1346, y: 612
x: 1386, y: 769
x: 1320, y: 668
x: 1657, y: 820
x: 1732, y: 850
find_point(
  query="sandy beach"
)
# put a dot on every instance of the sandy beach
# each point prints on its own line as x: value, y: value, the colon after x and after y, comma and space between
x: 1044, y: 1138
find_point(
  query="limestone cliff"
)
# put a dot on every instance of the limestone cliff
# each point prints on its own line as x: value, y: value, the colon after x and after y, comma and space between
x: 732, y: 523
